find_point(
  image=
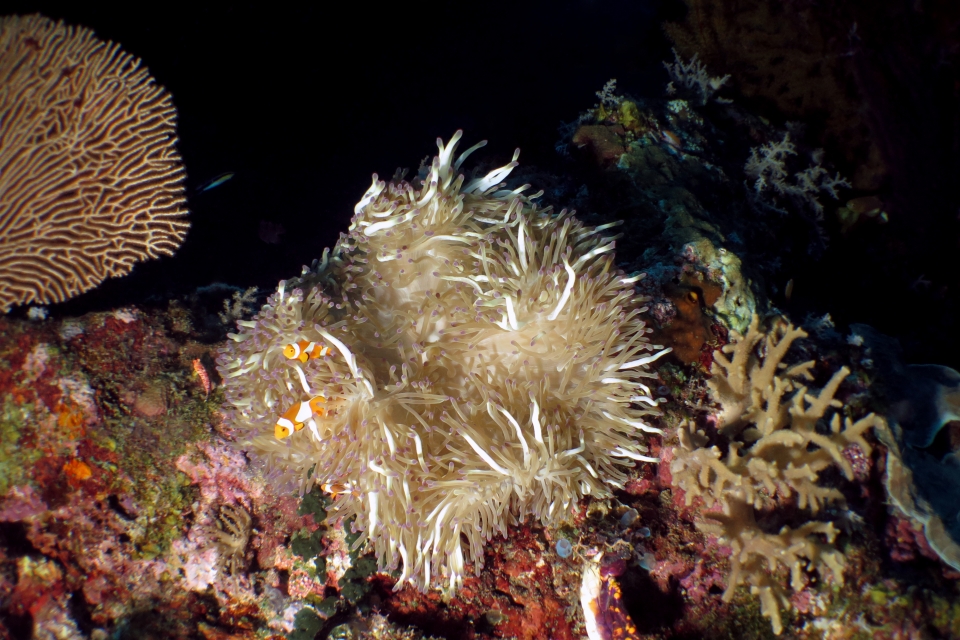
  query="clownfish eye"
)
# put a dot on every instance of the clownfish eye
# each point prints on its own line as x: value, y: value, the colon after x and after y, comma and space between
x: 290, y: 351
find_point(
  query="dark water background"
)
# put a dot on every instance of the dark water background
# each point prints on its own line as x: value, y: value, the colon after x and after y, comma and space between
x: 304, y: 103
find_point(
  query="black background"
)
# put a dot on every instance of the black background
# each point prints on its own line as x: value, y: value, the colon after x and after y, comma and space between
x: 304, y: 104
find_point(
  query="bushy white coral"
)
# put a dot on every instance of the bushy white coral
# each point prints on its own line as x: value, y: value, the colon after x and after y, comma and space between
x: 692, y: 77
x: 767, y: 167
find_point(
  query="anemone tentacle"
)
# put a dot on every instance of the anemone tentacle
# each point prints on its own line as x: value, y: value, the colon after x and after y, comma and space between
x: 485, y: 361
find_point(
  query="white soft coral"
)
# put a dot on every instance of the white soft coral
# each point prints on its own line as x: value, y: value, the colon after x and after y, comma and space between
x: 692, y: 76
x: 767, y: 167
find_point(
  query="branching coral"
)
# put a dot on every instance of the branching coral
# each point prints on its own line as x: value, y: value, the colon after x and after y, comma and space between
x: 693, y: 78
x: 779, y: 442
x: 240, y: 305
x: 767, y: 166
x: 482, y: 360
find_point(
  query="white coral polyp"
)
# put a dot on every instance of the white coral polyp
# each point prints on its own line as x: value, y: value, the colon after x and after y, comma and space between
x: 486, y: 363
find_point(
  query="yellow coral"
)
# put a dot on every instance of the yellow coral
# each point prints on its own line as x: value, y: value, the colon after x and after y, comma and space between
x: 775, y: 450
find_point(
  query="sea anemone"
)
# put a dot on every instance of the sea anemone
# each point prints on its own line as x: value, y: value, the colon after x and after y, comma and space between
x: 484, y: 361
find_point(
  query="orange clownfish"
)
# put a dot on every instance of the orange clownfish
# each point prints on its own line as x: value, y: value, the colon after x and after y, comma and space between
x: 294, y: 418
x: 336, y: 489
x: 304, y: 350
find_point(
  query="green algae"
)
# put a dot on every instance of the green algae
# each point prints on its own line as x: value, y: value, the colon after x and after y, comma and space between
x: 354, y: 585
x: 15, y: 459
x: 314, y: 503
x: 309, y: 546
x: 160, y: 520
x: 946, y: 615
x: 328, y: 606
x: 306, y: 625
x: 145, y: 467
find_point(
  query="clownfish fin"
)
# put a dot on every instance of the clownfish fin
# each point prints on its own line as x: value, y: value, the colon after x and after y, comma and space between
x: 316, y: 405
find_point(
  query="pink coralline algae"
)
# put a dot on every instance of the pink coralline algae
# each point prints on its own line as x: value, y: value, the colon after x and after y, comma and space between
x: 223, y: 476
x: 906, y: 540
x: 702, y: 582
x: 220, y: 471
x: 85, y: 537
x: 859, y: 461
x: 122, y: 499
x: 21, y: 503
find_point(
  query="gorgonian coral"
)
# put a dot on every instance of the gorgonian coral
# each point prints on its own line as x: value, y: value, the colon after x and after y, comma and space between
x: 476, y: 359
x: 91, y: 181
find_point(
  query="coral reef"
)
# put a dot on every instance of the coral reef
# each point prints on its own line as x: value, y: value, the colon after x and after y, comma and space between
x: 117, y: 497
x: 922, y: 478
x: 233, y: 535
x: 692, y: 77
x: 767, y: 167
x: 813, y: 85
x: 373, y: 627
x: 524, y: 588
x: 456, y: 354
x: 239, y: 305
x: 679, y: 175
x: 938, y: 535
x: 483, y: 359
x: 92, y: 180
x: 875, y: 86
x: 679, y: 182
x: 776, y: 454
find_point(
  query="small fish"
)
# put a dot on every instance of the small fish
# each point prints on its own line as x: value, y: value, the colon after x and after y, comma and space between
x: 294, y: 418
x: 216, y: 182
x: 671, y: 139
x: 333, y: 488
x: 336, y: 489
x: 304, y: 350
x: 201, y: 372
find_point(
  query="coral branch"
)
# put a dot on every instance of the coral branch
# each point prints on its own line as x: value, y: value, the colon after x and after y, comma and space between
x: 774, y: 453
